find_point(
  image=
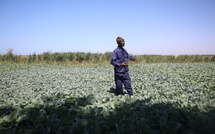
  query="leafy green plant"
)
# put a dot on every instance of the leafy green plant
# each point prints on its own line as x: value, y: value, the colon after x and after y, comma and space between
x: 168, y: 98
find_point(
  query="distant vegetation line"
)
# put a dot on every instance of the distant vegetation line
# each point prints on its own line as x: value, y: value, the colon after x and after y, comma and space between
x: 96, y: 58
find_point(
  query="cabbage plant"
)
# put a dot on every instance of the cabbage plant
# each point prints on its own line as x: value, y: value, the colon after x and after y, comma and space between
x: 168, y: 98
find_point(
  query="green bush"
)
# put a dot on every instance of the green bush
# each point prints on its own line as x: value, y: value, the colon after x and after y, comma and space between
x: 98, y: 58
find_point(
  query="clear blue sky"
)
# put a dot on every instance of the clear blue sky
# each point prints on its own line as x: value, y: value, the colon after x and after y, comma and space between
x: 148, y: 26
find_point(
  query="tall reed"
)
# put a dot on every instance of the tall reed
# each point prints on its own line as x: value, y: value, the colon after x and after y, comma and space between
x: 97, y: 58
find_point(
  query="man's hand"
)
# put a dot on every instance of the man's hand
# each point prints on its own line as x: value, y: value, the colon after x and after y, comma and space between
x: 134, y: 59
x: 123, y: 64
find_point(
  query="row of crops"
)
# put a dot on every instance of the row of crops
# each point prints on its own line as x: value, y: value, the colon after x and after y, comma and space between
x: 168, y: 98
x: 95, y: 58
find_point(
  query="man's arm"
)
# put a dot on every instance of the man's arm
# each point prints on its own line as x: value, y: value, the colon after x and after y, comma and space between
x: 130, y: 57
x: 114, y: 59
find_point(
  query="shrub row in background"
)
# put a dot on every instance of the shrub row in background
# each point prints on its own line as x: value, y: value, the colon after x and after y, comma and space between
x: 97, y: 58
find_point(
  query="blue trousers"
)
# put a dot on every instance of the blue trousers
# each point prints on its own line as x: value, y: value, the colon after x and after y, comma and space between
x: 121, y: 79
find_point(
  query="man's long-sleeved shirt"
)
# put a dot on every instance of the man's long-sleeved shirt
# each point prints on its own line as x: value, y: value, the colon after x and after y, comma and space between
x: 119, y: 56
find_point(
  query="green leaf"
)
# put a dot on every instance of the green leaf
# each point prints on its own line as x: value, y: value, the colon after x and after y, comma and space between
x: 11, y: 117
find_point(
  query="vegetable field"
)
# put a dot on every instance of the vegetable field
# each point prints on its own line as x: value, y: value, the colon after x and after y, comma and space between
x: 168, y: 99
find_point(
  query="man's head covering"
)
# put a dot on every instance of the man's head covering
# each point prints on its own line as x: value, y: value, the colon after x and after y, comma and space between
x: 119, y: 39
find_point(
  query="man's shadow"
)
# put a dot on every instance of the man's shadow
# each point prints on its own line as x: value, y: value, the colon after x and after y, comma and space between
x: 113, y: 91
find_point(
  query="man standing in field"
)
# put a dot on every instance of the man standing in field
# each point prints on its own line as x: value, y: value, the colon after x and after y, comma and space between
x: 119, y: 60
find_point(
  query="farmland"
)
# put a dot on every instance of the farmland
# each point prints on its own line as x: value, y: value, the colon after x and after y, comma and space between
x: 168, y: 98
